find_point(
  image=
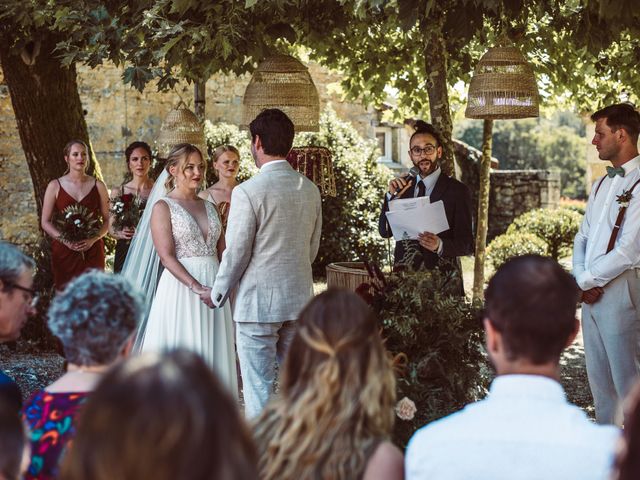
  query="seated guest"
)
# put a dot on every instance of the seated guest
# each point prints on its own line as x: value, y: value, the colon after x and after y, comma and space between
x: 525, y: 429
x: 14, y: 447
x: 161, y: 417
x: 94, y: 318
x: 17, y: 302
x: 335, y: 411
x: 628, y: 462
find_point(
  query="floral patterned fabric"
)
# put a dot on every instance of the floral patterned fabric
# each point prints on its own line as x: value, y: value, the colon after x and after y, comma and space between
x: 51, y: 419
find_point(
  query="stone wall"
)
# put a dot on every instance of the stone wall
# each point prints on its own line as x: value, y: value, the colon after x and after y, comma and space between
x: 514, y: 192
x: 118, y: 115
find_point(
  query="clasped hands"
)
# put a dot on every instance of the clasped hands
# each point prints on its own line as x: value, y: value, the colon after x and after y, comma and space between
x: 204, y: 293
x: 81, y: 245
x: 592, y: 295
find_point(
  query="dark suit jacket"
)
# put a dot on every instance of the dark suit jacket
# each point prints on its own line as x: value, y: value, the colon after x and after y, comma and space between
x: 457, y: 241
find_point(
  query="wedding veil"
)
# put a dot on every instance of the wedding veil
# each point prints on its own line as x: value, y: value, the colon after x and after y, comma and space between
x: 142, y: 265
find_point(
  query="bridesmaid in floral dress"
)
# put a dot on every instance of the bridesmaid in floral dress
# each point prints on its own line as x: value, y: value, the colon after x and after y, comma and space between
x: 226, y: 163
x: 70, y: 259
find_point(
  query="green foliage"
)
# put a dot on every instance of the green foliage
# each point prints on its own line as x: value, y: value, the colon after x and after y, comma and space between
x: 437, y: 339
x: 349, y: 220
x: 543, y: 144
x: 514, y: 244
x: 217, y: 134
x: 557, y: 228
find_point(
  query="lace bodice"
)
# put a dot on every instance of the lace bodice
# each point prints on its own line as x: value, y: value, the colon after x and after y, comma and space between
x: 187, y: 235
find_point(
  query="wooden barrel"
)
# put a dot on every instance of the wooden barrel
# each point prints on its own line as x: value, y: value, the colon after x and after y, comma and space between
x: 347, y: 275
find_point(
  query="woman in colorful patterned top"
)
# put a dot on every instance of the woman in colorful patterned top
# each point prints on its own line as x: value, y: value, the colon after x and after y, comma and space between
x: 94, y: 318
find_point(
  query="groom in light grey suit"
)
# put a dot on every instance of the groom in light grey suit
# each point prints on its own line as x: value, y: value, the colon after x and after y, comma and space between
x: 272, y: 237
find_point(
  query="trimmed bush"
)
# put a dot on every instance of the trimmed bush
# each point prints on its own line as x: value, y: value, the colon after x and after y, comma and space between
x: 557, y: 228
x: 514, y: 244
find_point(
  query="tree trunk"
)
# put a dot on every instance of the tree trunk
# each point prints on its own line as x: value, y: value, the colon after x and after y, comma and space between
x: 199, y: 97
x: 483, y: 212
x: 47, y: 108
x: 435, y: 68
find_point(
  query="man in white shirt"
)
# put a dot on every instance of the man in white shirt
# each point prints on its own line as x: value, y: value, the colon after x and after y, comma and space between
x: 606, y: 261
x: 525, y: 428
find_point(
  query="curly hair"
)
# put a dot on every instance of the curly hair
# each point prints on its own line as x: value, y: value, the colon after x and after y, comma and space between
x: 94, y: 316
x: 161, y: 417
x: 337, y: 394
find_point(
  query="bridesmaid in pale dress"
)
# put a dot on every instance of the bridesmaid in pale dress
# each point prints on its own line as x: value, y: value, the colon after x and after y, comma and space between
x: 226, y: 163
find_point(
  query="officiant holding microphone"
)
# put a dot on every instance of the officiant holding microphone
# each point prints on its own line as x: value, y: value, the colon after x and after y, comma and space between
x: 429, y: 250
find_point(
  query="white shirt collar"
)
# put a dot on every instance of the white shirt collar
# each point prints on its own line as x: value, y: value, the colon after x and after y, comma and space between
x: 631, y: 164
x: 272, y: 162
x: 530, y: 386
x: 430, y: 180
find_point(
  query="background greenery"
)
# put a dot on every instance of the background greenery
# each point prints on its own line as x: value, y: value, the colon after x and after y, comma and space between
x: 553, y: 143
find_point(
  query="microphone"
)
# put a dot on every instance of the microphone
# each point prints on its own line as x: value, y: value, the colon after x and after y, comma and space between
x: 413, y: 173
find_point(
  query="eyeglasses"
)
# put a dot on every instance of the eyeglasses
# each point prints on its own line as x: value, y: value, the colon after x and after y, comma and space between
x: 32, y: 293
x: 429, y: 150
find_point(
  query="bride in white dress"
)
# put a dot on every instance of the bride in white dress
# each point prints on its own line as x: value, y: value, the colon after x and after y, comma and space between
x: 187, y: 236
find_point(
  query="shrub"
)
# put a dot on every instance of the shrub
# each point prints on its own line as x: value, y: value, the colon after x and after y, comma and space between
x: 437, y: 339
x: 557, y: 228
x: 514, y: 244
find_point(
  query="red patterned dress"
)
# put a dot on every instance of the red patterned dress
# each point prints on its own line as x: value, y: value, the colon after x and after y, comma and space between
x: 66, y: 264
x: 51, y: 418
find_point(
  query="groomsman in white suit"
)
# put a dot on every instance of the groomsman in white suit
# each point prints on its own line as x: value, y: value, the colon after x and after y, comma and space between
x: 606, y: 263
x: 272, y: 237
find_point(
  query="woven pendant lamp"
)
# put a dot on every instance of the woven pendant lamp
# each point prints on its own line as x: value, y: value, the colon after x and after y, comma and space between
x: 180, y: 126
x: 503, y: 86
x: 315, y: 163
x: 283, y: 82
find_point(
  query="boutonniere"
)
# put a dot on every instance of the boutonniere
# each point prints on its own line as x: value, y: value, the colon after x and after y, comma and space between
x: 624, y: 198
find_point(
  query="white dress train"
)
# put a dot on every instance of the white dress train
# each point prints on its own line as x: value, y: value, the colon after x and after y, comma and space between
x: 178, y: 318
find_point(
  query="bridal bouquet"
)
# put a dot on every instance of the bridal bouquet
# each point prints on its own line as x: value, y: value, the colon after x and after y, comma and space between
x: 76, y: 223
x: 126, y: 210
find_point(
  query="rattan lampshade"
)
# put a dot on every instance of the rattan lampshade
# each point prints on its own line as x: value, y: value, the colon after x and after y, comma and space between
x: 315, y: 163
x: 503, y: 86
x: 283, y: 82
x: 180, y: 126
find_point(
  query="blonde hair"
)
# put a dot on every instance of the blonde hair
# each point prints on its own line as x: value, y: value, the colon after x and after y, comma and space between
x: 178, y: 157
x: 337, y: 398
x: 67, y: 150
x: 217, y: 153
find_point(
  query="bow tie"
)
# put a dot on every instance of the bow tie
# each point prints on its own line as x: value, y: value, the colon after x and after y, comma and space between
x: 612, y: 172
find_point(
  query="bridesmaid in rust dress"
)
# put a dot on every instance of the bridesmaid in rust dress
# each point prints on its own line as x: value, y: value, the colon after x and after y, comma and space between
x: 70, y: 259
x: 226, y: 163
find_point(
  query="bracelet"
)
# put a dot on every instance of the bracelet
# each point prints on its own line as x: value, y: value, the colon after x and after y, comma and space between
x: 191, y: 285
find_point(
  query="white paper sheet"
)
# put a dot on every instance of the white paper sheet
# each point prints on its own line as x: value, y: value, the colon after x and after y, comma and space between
x: 408, y: 203
x: 417, y: 218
